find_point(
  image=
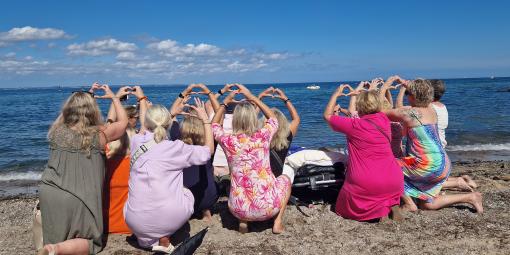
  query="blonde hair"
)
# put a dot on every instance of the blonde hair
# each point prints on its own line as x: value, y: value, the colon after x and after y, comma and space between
x: 279, y: 140
x: 120, y: 147
x: 368, y: 102
x: 131, y: 110
x: 192, y: 130
x: 80, y: 112
x: 244, y: 120
x: 157, y: 120
x: 422, y: 91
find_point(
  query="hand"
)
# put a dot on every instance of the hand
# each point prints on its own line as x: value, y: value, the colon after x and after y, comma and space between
x: 178, y: 108
x: 280, y: 94
x: 244, y: 90
x: 336, y: 110
x: 95, y: 86
x: 137, y: 91
x: 108, y: 94
x: 188, y: 89
x: 230, y: 97
x: 199, y: 107
x: 204, y: 89
x: 267, y: 92
x: 374, y: 84
x: 363, y: 85
x: 123, y: 91
x: 228, y: 88
x: 340, y: 90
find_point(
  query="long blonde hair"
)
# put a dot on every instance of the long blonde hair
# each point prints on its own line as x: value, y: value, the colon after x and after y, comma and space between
x: 80, y: 112
x: 244, y: 120
x: 120, y: 147
x: 279, y: 140
x: 192, y: 130
x: 157, y: 120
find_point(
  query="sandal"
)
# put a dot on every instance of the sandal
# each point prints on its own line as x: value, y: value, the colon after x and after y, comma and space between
x: 163, y: 249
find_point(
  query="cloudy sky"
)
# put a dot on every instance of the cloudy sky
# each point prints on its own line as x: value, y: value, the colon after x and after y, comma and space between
x: 66, y: 43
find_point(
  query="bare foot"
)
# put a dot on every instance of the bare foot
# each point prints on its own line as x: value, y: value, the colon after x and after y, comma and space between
x: 470, y: 181
x: 243, y: 227
x: 278, y: 227
x: 476, y: 201
x: 48, y: 249
x: 206, y: 215
x: 463, y: 185
x: 396, y: 213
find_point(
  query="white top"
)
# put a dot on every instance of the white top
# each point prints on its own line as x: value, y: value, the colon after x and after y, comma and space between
x: 442, y: 122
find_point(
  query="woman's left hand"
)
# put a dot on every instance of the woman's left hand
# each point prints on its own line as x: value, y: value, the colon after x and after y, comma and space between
x: 199, y: 107
x: 108, y: 94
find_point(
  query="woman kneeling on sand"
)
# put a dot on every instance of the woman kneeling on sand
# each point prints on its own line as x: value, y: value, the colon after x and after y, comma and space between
x: 158, y: 203
x: 71, y: 188
x: 374, y: 182
x: 426, y: 165
x: 255, y: 193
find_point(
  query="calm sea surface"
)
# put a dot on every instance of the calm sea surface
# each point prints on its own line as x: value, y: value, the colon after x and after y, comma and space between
x: 479, y: 120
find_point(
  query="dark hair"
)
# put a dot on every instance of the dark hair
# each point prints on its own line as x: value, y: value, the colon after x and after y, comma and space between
x: 439, y: 89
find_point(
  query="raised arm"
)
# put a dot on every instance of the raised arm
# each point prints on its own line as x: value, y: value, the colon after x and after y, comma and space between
x: 354, y: 94
x: 202, y: 114
x: 400, y: 97
x: 144, y: 106
x: 330, y: 107
x: 115, y: 130
x: 294, y: 124
x: 220, y: 113
x: 249, y: 96
x: 213, y: 98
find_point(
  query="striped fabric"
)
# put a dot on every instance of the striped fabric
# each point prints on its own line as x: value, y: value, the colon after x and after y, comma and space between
x: 426, y: 165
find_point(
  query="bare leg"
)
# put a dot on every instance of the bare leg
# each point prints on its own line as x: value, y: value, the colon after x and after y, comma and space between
x: 243, y: 226
x: 71, y: 246
x: 206, y: 215
x: 474, y: 198
x: 409, y: 204
x: 456, y: 183
x: 278, y: 227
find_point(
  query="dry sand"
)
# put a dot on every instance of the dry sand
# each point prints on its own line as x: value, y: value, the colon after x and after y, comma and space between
x: 454, y: 230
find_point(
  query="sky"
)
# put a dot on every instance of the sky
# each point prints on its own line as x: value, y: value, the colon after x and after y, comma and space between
x: 73, y: 43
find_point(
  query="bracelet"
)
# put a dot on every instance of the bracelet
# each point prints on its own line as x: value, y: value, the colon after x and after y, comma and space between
x: 286, y: 100
x: 219, y: 92
x: 181, y: 95
x: 172, y: 116
x: 210, y: 92
x: 141, y: 98
x: 224, y: 105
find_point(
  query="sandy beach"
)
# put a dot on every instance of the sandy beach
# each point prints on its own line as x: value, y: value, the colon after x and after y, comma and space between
x: 454, y: 230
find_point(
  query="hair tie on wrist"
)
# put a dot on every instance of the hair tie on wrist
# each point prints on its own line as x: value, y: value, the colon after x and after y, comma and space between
x: 141, y: 98
x: 181, y: 95
x: 224, y: 105
x: 286, y: 100
x: 219, y: 92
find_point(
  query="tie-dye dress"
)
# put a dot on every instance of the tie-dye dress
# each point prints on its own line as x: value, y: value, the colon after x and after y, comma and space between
x: 426, y: 166
x: 255, y: 193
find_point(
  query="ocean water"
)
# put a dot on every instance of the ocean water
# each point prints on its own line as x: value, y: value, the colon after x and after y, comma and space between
x: 479, y: 118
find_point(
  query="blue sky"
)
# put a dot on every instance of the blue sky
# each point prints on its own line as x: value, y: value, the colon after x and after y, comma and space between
x: 70, y: 43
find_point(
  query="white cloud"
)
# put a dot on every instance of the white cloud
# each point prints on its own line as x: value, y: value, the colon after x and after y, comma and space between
x: 100, y: 47
x: 29, y: 33
x: 10, y: 54
x: 171, y: 48
x: 22, y: 66
x: 126, y: 55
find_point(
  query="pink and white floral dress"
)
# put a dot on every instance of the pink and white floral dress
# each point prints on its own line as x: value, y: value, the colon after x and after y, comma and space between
x: 255, y: 193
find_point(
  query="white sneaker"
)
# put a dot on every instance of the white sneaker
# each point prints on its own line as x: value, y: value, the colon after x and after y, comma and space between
x: 163, y: 249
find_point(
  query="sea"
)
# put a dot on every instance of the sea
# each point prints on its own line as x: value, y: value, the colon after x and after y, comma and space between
x: 479, y: 121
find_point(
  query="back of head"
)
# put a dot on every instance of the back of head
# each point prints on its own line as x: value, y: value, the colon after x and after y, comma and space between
x: 157, y: 120
x: 192, y: 130
x: 368, y: 102
x: 422, y: 92
x: 120, y: 147
x: 439, y: 88
x: 81, y: 113
x: 244, y: 120
x: 279, y: 140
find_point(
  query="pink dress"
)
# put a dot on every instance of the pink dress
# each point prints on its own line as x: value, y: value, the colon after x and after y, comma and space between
x: 255, y: 193
x: 374, y: 181
x: 158, y: 204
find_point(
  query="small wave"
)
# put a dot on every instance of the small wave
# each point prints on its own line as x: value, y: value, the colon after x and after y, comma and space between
x: 480, y: 147
x: 10, y: 176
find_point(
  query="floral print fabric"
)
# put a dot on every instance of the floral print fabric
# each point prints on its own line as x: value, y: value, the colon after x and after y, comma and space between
x: 255, y: 193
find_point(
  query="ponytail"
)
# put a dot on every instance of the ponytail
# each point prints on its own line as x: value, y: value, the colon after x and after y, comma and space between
x: 157, y: 120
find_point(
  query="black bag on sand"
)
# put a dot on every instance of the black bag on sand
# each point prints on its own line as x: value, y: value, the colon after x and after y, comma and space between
x: 190, y: 245
x: 317, y: 177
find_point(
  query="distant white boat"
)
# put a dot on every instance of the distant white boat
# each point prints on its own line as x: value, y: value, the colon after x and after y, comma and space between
x: 313, y: 87
x: 492, y: 77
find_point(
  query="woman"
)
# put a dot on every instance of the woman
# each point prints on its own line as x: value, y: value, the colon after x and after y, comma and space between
x: 286, y: 132
x: 373, y: 182
x: 158, y: 204
x: 426, y: 165
x: 72, y: 183
x: 255, y: 193
x: 199, y: 178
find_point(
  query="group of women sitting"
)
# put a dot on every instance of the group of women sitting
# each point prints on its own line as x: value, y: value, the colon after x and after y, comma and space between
x: 158, y: 176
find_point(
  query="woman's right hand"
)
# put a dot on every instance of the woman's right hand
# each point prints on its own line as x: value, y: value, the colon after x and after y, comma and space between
x: 138, y: 92
x: 123, y: 91
x: 340, y: 90
x: 199, y: 107
x: 108, y: 94
x: 230, y: 97
x: 267, y: 92
x: 244, y: 90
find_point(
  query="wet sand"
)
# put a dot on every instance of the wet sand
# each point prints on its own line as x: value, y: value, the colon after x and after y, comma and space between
x: 454, y: 230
